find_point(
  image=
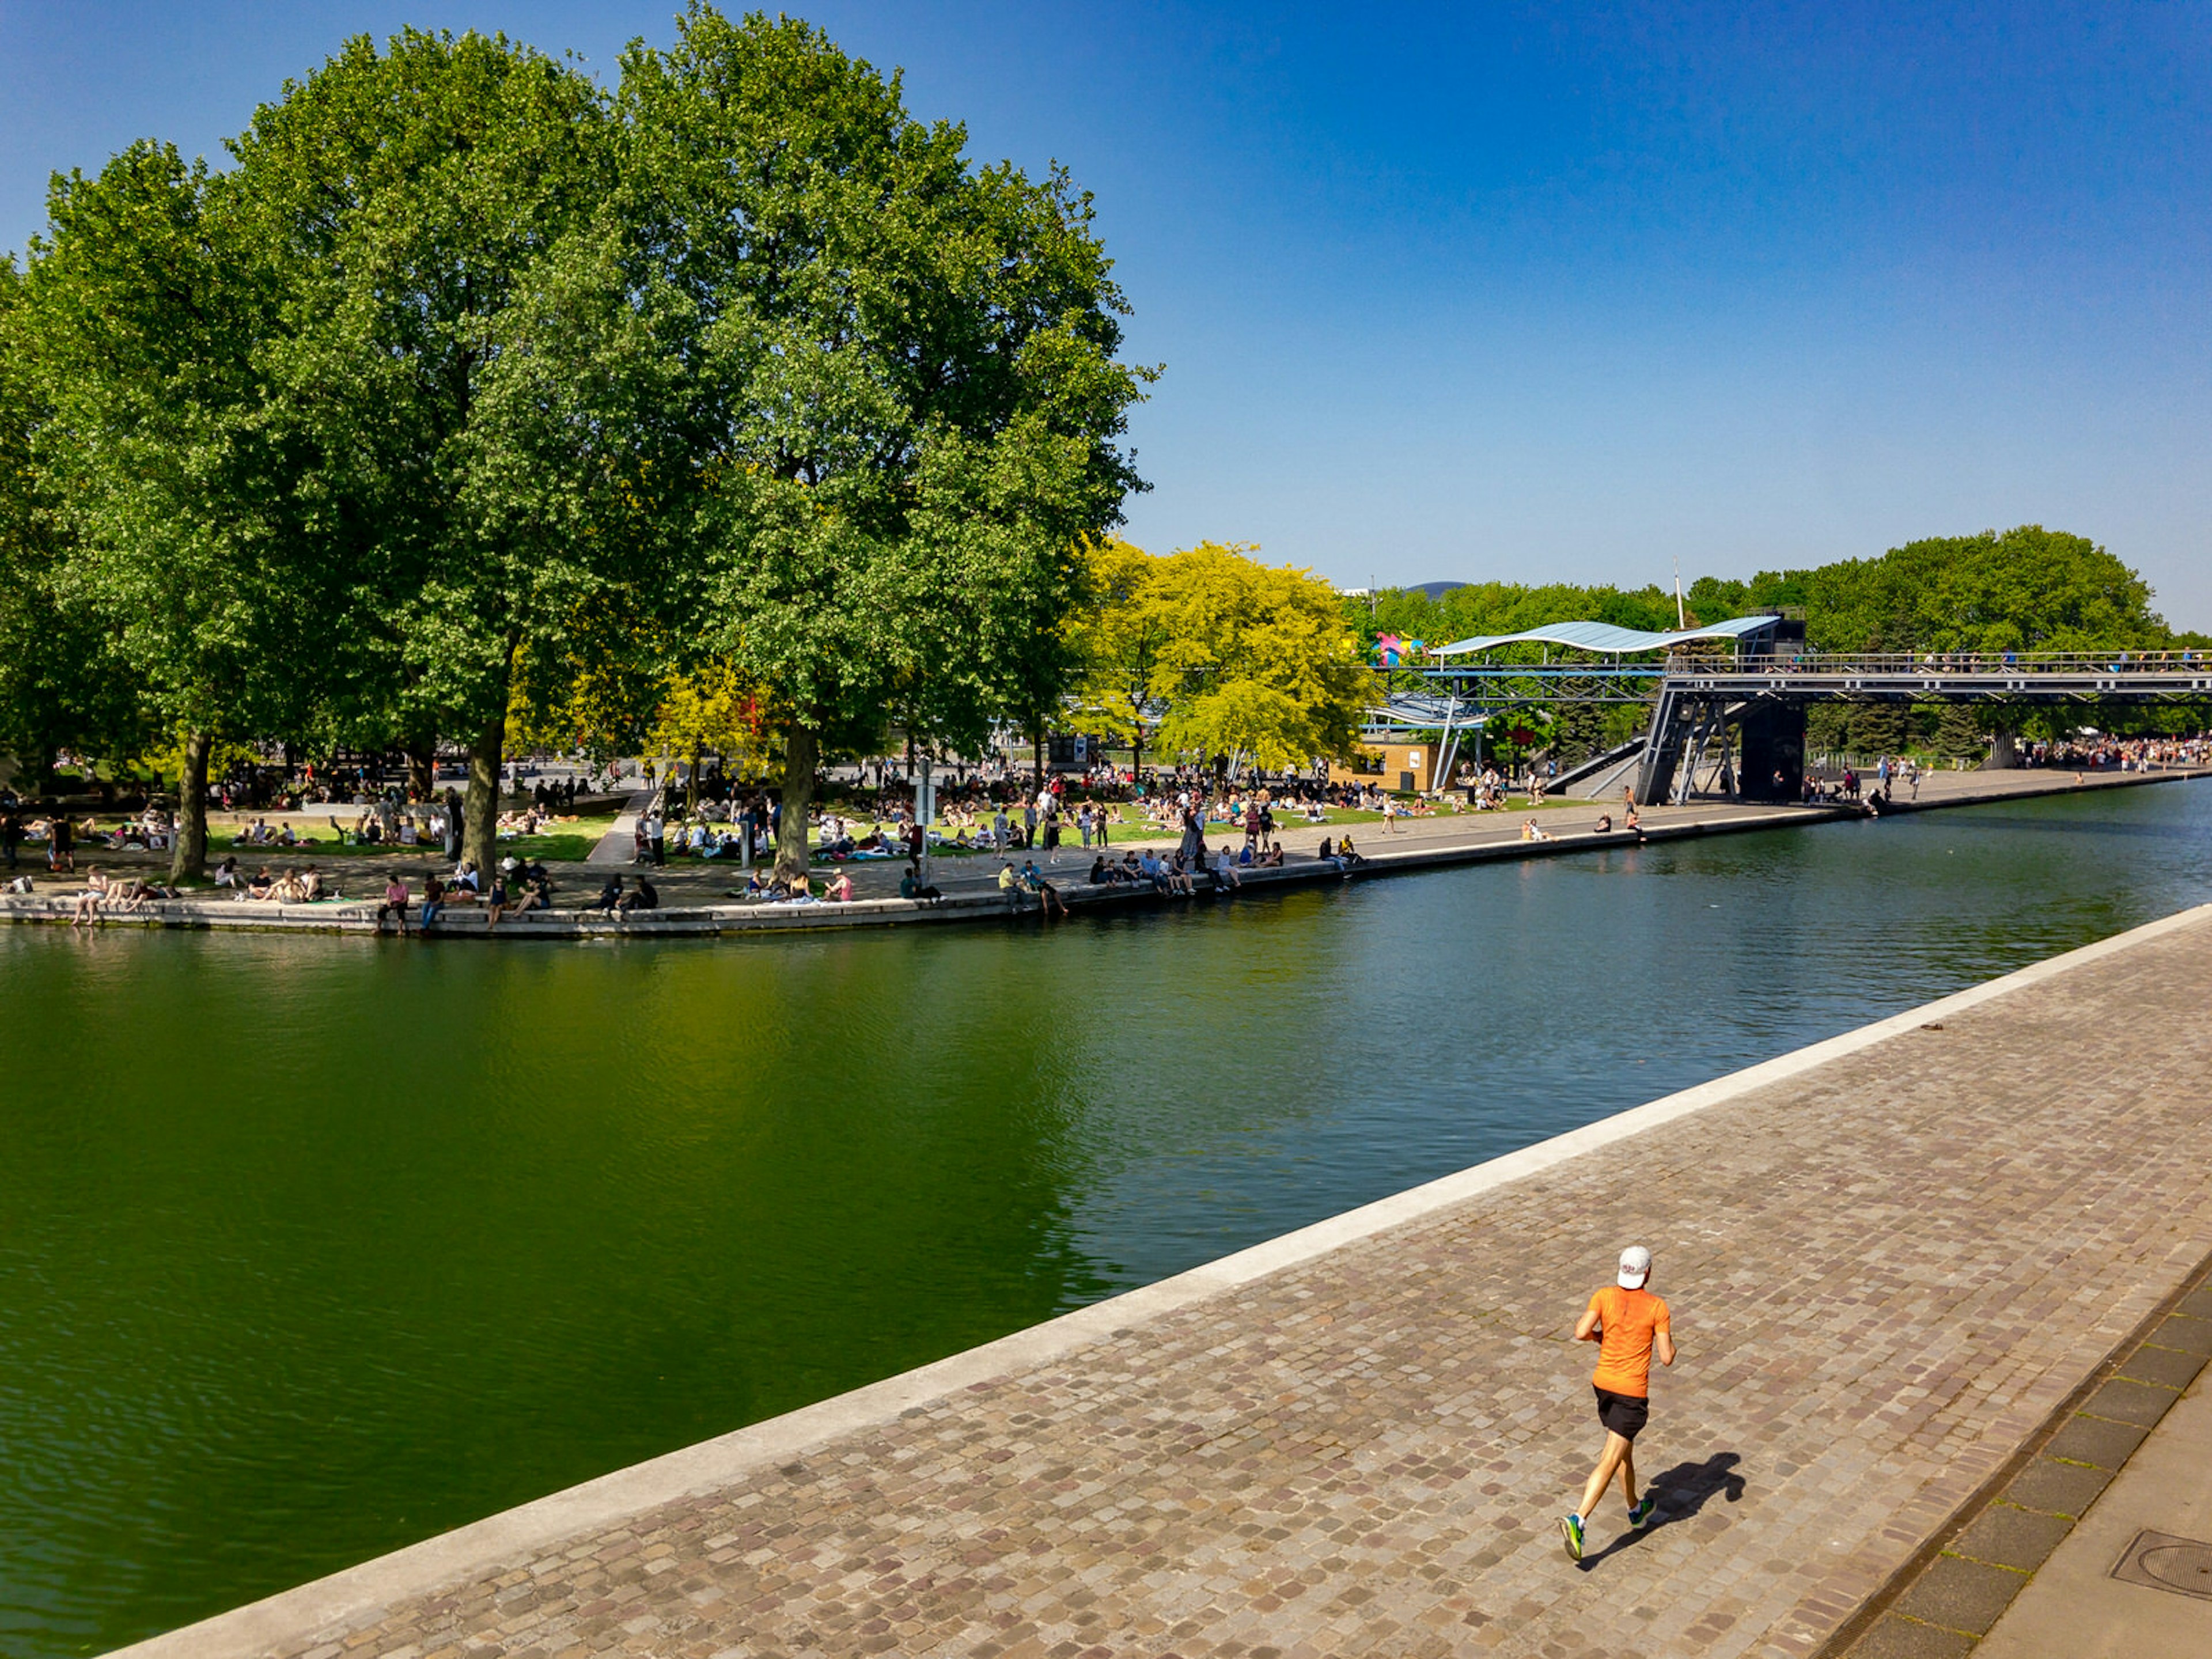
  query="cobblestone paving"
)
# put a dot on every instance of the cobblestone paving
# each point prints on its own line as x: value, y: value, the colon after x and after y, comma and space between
x: 1885, y: 1273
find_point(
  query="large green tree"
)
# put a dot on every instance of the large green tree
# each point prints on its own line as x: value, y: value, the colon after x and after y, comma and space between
x: 147, y: 311
x: 59, y: 686
x: 893, y: 379
x: 412, y: 200
x: 2025, y: 589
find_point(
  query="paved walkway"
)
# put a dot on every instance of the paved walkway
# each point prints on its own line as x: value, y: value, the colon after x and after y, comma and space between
x: 619, y: 844
x: 1891, y: 1258
x: 2134, y: 1578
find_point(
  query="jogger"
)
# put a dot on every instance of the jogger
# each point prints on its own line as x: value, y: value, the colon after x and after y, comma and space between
x: 1630, y: 1325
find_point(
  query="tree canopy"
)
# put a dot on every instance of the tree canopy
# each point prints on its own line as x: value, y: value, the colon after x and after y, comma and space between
x: 477, y: 398
x: 2025, y: 589
x: 893, y: 383
x: 1210, y: 652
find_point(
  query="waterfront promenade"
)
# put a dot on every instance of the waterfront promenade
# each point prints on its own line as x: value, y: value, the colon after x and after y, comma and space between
x: 695, y: 899
x: 1895, y: 1260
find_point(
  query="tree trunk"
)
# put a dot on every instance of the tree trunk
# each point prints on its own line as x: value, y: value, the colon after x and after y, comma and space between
x: 1036, y: 758
x: 421, y: 769
x: 799, y: 749
x: 487, y: 755
x: 188, y: 857
x: 480, y: 807
x: 692, y: 785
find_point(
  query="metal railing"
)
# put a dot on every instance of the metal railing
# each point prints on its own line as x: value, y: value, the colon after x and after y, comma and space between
x: 1938, y: 664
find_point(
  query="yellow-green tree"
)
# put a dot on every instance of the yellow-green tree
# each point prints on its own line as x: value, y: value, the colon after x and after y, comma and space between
x: 711, y: 710
x: 1211, y: 650
x: 1117, y: 641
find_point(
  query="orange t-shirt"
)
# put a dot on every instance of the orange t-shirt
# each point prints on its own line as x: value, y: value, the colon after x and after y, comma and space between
x: 1631, y: 1321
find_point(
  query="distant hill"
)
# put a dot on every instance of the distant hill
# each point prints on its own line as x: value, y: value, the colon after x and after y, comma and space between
x: 1434, y: 590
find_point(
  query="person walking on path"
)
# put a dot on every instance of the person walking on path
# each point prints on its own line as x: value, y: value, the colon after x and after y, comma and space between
x: 1630, y: 1325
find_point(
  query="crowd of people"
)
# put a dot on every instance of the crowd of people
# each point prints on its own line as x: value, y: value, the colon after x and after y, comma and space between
x: 1222, y: 824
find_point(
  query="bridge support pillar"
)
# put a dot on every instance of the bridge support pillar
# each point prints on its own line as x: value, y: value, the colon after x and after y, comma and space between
x: 1773, y: 747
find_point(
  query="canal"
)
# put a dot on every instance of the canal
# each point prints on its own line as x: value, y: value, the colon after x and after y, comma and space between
x: 313, y: 1246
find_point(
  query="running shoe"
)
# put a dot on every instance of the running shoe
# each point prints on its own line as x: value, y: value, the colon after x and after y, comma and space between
x: 1639, y: 1515
x: 1570, y: 1528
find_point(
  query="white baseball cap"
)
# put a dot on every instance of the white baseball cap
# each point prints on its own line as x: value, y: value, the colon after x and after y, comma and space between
x: 1635, y: 1267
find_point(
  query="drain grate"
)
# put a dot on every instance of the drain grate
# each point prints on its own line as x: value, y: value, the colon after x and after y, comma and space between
x: 2162, y: 1561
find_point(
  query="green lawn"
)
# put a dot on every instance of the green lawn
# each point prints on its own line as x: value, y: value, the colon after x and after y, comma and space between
x: 566, y: 843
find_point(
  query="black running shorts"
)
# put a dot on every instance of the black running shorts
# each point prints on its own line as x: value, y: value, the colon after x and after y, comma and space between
x: 1624, y: 1414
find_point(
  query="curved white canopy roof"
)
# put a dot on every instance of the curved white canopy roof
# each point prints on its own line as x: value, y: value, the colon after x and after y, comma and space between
x: 1606, y: 640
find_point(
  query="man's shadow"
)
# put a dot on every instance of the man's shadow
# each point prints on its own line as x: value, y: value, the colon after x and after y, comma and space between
x: 1681, y: 1492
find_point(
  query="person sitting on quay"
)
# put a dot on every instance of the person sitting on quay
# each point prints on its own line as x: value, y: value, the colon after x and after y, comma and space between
x: 643, y: 897
x: 496, y: 901
x: 840, y: 890
x: 1225, y: 875
x: 1531, y: 831
x: 1032, y: 880
x: 132, y: 896
x: 263, y: 886
x: 289, y: 889
x: 1274, y: 856
x: 87, y: 902
x: 434, y: 898
x: 611, y: 894
x: 800, y: 890
x: 1604, y: 825
x: 911, y: 886
x: 1179, y: 877
x: 395, y: 904
x: 1100, y: 875
x: 1348, y: 855
x: 536, y: 893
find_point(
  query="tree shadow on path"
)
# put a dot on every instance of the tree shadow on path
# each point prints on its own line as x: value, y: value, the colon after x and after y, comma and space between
x: 1682, y: 1492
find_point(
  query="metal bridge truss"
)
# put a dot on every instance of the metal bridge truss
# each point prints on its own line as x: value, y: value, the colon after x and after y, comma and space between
x: 1689, y: 750
x: 1721, y: 725
x: 1454, y: 701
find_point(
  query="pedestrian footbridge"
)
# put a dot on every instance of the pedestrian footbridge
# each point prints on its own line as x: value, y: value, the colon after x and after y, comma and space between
x: 1728, y: 703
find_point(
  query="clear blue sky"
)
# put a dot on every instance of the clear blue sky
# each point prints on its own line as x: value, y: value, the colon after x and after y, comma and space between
x: 1469, y: 292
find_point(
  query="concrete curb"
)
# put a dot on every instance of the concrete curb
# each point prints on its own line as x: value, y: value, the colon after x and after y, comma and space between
x: 293, y: 1616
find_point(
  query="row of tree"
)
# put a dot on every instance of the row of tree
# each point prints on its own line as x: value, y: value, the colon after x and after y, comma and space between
x: 2026, y: 589
x: 473, y: 396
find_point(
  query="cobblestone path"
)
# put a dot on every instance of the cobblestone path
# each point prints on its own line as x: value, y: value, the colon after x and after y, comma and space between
x: 1886, y: 1271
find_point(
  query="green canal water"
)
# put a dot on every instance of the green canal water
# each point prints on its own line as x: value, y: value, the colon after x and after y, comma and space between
x: 311, y: 1246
